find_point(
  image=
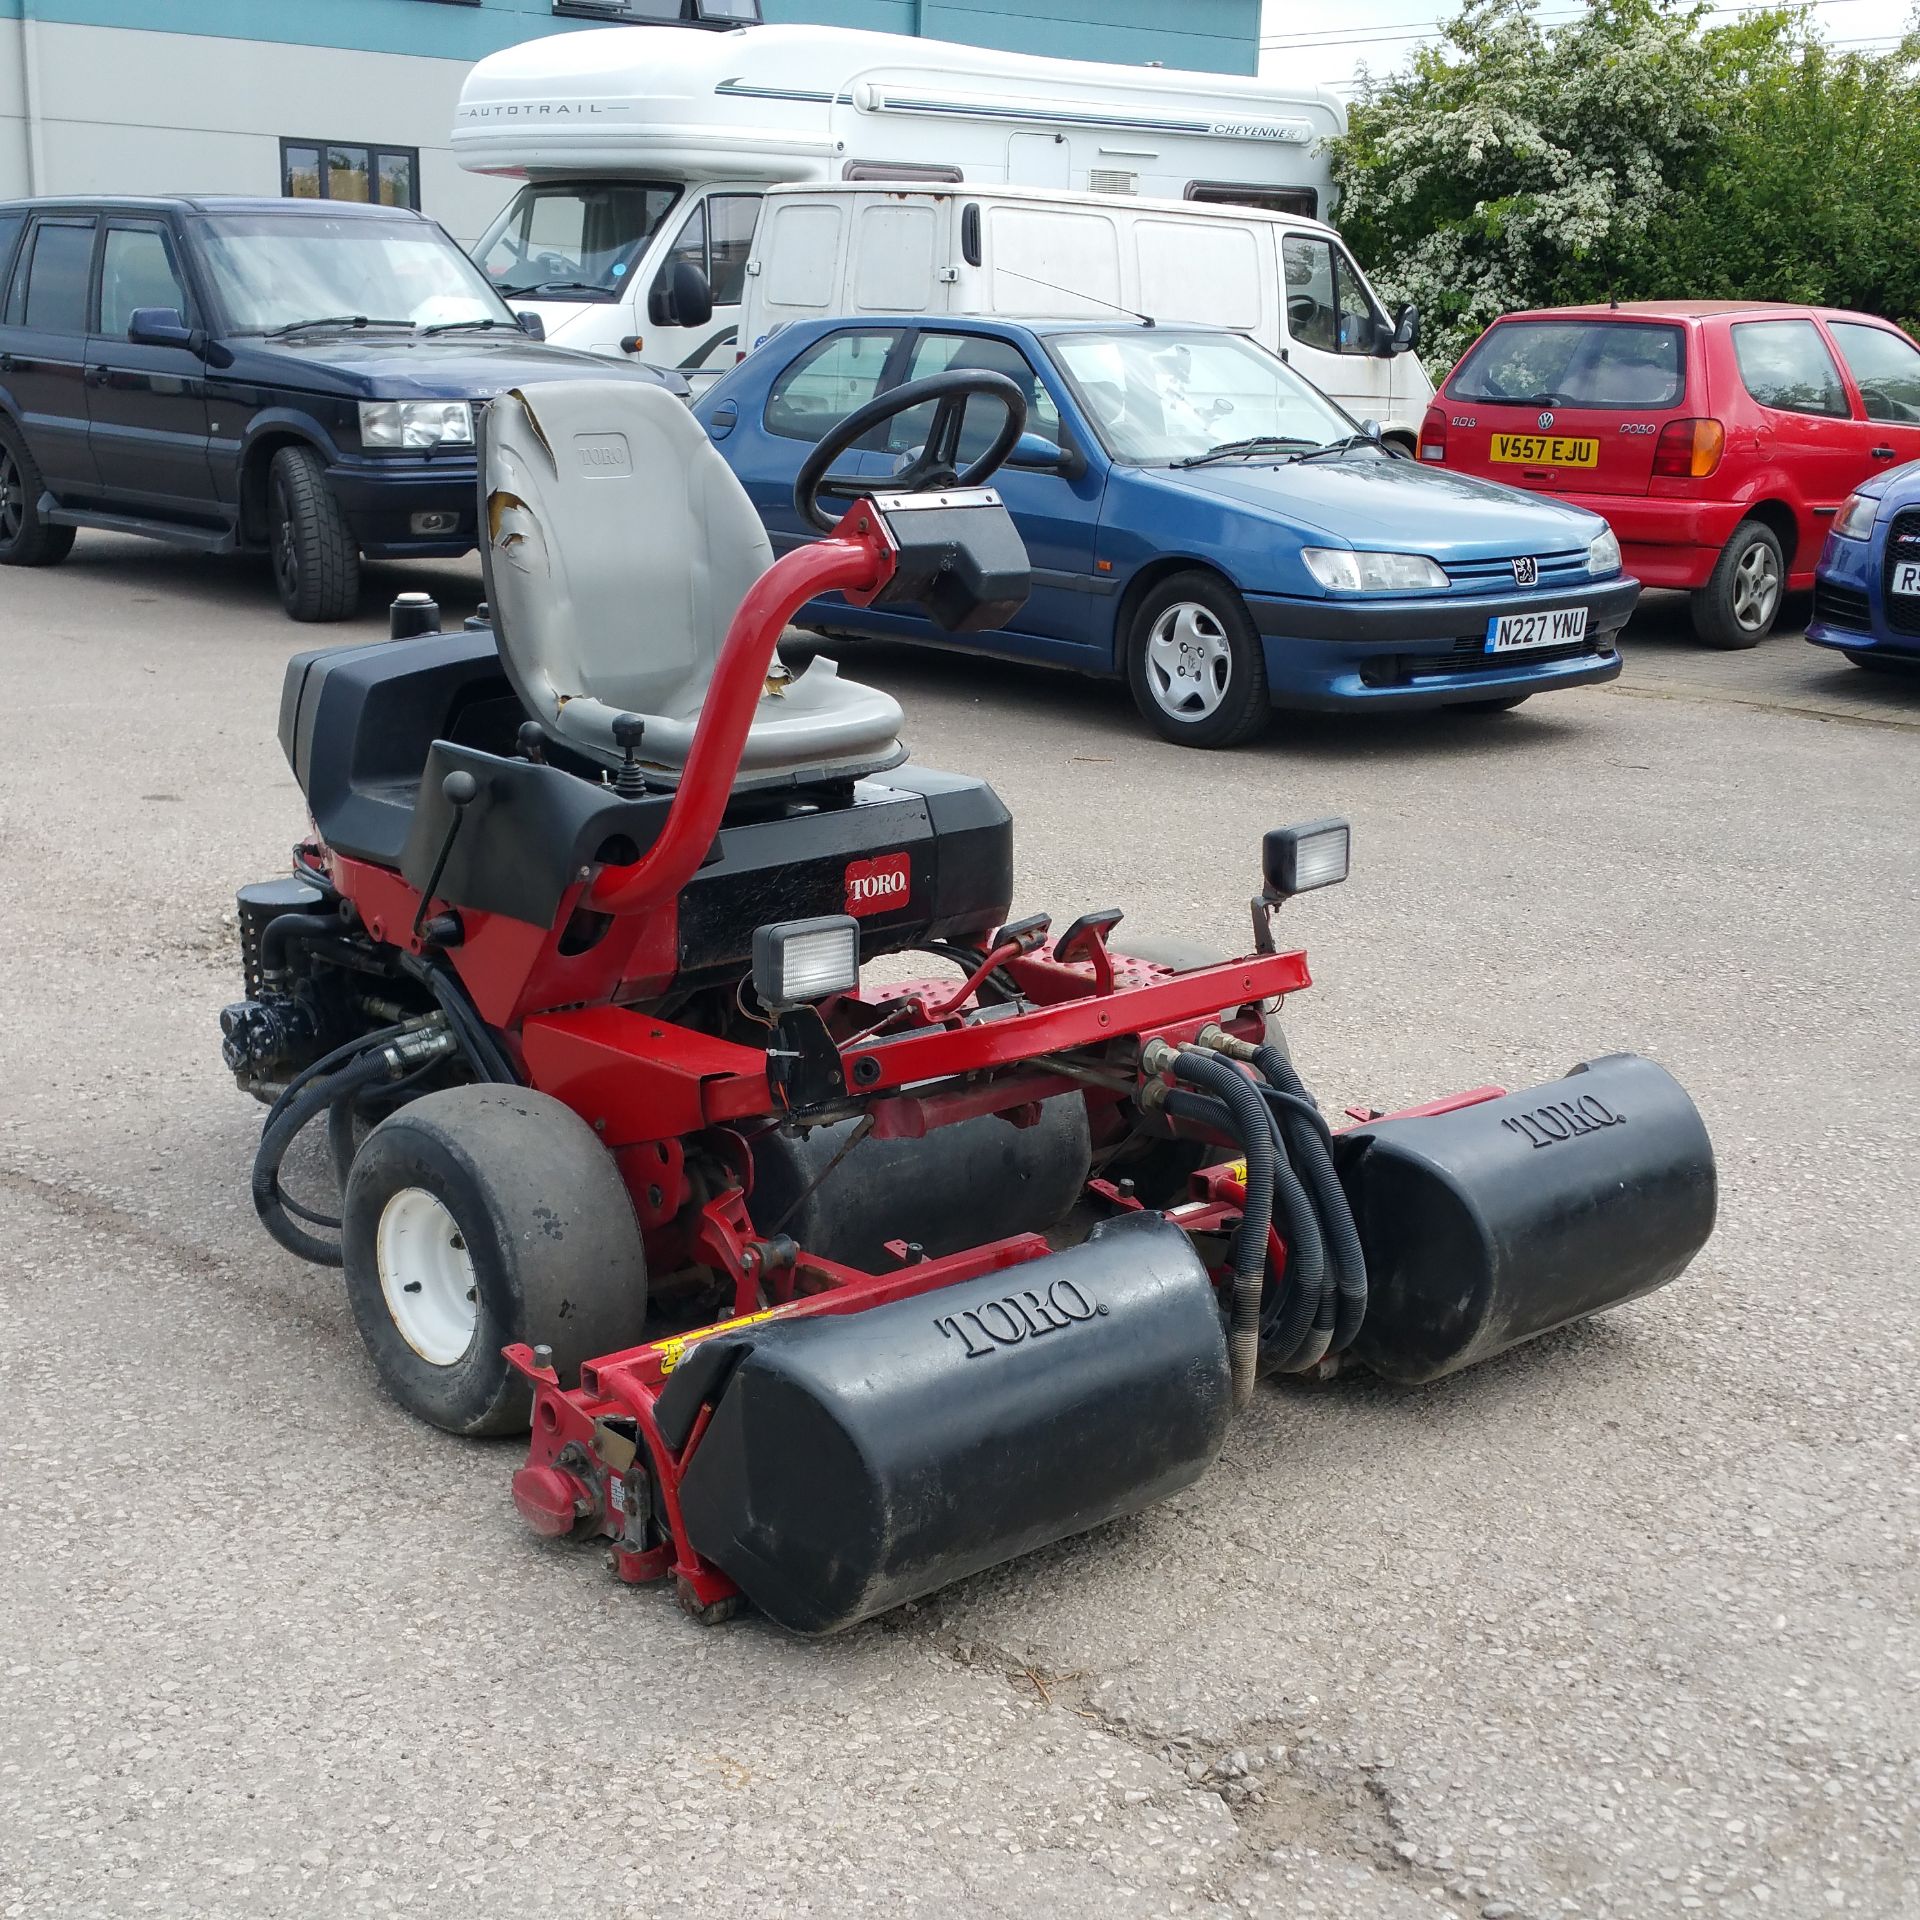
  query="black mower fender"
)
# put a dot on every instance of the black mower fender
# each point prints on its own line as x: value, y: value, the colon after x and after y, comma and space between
x: 856, y: 1461
x: 1501, y: 1221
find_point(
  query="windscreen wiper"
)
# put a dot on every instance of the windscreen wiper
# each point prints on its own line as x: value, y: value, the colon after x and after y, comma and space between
x: 1345, y: 444
x: 332, y: 320
x: 1259, y: 443
x: 562, y: 286
x: 454, y: 326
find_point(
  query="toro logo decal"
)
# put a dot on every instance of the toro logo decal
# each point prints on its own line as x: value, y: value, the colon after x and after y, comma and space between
x: 875, y: 885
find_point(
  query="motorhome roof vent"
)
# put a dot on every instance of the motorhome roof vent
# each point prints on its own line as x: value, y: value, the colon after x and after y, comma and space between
x: 1113, y: 180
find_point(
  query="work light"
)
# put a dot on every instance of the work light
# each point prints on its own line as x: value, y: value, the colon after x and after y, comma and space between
x: 795, y: 961
x: 1299, y: 859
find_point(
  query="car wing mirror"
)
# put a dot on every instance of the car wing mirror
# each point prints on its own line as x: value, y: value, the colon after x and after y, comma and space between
x: 531, y: 324
x: 1035, y: 453
x: 162, y: 327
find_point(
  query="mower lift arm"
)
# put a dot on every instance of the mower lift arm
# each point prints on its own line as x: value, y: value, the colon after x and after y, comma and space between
x: 858, y: 561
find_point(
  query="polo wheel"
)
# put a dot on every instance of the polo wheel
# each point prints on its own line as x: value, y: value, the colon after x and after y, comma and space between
x: 316, y: 565
x: 1738, y: 605
x: 477, y: 1217
x: 1195, y: 665
x: 25, y: 539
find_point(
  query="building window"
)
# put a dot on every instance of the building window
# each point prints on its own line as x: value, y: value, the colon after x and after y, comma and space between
x: 326, y: 170
x: 686, y: 13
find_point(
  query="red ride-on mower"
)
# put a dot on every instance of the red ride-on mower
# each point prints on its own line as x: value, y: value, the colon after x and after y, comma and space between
x: 816, y: 1292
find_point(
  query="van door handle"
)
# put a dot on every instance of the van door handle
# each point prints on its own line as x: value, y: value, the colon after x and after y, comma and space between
x: 1883, y: 453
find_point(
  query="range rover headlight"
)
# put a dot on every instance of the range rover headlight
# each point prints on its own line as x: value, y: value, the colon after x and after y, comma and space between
x: 416, y: 423
x: 1342, y: 570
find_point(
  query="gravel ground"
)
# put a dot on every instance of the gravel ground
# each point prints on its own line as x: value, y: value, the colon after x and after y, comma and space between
x: 1620, y: 1624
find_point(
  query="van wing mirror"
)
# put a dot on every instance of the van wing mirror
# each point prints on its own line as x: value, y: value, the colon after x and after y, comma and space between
x: 1406, y: 330
x: 531, y: 324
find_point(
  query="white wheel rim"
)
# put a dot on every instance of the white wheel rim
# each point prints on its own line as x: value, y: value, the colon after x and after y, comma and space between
x: 1756, y: 588
x: 426, y: 1276
x: 1189, y: 661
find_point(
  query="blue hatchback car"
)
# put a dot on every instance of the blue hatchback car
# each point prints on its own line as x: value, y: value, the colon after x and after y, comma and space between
x: 1203, y: 521
x: 1866, y: 590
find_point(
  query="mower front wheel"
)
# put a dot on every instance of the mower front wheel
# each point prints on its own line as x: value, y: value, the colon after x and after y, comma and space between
x: 477, y: 1217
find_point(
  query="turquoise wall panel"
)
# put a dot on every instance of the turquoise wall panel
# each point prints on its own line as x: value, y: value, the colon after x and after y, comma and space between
x: 1220, y: 35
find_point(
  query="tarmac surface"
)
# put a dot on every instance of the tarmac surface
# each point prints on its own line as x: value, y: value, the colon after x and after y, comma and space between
x: 1623, y: 1623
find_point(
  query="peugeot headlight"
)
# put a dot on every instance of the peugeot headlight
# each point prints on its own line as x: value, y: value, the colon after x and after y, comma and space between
x: 416, y: 423
x: 1603, y: 552
x: 1855, y: 519
x: 1341, y: 570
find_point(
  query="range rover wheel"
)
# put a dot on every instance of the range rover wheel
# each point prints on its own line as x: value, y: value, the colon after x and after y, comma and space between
x: 477, y: 1217
x: 316, y: 565
x: 1195, y: 665
x: 25, y: 539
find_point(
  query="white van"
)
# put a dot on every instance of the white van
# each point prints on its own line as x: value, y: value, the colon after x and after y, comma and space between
x: 1012, y: 253
x: 645, y: 152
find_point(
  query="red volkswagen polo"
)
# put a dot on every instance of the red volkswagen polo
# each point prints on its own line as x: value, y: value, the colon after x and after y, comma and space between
x: 1717, y: 438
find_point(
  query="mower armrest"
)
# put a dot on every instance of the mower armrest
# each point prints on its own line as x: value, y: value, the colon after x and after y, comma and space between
x: 525, y: 837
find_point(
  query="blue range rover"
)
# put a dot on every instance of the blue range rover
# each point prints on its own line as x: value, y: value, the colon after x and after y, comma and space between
x: 298, y: 377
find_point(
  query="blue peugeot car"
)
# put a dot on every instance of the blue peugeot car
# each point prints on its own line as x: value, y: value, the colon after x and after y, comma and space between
x: 1202, y: 521
x: 1866, y: 590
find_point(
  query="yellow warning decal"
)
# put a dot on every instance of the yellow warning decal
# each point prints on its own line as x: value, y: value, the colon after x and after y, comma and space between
x: 1236, y: 1171
x: 672, y: 1351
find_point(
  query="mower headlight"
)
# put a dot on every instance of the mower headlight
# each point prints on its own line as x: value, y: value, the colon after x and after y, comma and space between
x: 1342, y: 570
x: 795, y: 961
x: 1298, y: 859
x: 1855, y: 519
x: 416, y: 423
x: 1603, y: 552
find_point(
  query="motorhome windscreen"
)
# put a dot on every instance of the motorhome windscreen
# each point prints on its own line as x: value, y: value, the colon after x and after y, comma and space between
x: 573, y: 239
x: 1156, y: 395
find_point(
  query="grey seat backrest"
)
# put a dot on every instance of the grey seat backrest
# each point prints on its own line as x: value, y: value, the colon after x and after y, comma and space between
x: 619, y: 545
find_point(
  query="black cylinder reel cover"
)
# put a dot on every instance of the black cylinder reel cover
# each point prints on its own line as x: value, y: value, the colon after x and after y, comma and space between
x: 960, y: 1186
x: 855, y: 1461
x: 1495, y: 1223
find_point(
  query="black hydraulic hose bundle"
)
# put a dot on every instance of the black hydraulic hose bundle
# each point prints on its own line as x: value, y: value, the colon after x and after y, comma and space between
x: 1232, y: 1090
x: 1321, y: 1299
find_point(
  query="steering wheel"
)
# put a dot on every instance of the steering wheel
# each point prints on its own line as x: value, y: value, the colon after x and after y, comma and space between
x: 935, y: 468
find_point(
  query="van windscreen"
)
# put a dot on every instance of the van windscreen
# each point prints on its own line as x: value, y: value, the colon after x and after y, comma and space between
x: 1575, y: 363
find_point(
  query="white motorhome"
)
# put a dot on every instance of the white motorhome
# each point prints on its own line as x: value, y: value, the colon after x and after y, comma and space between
x: 646, y: 152
x: 1017, y: 253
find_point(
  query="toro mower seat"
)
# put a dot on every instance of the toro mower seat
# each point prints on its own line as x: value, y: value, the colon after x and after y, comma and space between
x: 618, y: 546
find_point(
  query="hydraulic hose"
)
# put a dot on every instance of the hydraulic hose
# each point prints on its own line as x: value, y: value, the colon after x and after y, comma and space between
x: 392, y: 1057
x: 286, y: 927
x: 1289, y: 1316
x: 1254, y: 1131
x: 1309, y: 1145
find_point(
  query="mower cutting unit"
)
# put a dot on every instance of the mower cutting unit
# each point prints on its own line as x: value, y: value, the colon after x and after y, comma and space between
x: 817, y: 1291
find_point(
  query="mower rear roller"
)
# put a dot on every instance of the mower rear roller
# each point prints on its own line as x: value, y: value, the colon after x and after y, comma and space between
x: 477, y: 1217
